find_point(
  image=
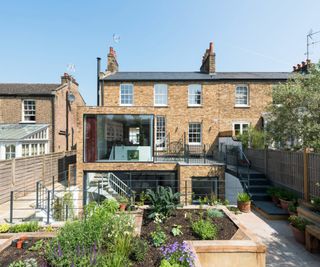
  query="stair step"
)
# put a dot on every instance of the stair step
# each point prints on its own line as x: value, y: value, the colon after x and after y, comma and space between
x: 257, y: 181
x: 259, y: 196
x: 258, y: 188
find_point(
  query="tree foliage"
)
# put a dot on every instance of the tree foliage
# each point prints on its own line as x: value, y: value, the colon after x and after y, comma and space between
x: 294, y: 116
x: 253, y: 138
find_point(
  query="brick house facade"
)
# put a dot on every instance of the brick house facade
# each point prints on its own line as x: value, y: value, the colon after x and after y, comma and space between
x: 36, y: 114
x: 188, y: 111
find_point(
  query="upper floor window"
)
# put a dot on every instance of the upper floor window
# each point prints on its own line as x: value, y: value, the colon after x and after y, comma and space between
x: 240, y: 128
x: 160, y: 95
x: 194, y: 95
x: 126, y: 94
x: 242, y: 95
x: 29, y: 110
x: 195, y: 134
x: 10, y: 151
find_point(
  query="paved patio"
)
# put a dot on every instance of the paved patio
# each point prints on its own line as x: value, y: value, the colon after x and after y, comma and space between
x: 282, y: 249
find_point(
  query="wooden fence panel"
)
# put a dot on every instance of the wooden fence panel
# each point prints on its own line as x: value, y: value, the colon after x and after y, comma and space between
x: 21, y: 174
x: 314, y: 174
x: 285, y: 168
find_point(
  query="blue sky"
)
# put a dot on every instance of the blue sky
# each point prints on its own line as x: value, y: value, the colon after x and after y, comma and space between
x: 40, y: 38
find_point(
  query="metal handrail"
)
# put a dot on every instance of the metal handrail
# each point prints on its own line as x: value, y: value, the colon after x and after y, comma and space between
x: 119, y: 186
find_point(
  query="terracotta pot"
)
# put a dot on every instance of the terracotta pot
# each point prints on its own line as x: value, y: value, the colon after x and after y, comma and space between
x: 285, y: 204
x: 299, y: 236
x: 123, y: 206
x: 244, y: 206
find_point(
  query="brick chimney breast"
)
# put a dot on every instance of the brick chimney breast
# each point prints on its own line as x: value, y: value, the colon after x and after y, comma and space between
x: 112, y: 65
x: 209, y: 60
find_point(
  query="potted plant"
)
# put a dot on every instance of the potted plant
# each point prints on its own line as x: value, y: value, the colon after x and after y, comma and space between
x: 274, y: 193
x: 244, y: 202
x: 298, y: 227
x: 123, y: 201
x: 315, y: 202
x: 286, y: 198
x: 292, y: 208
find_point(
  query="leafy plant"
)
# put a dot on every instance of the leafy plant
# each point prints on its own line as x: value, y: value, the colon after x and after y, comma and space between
x: 139, y: 249
x: 177, y: 254
x: 298, y: 222
x: 205, y: 229
x: 292, y: 207
x: 122, y: 200
x: 24, y: 227
x: 158, y: 237
x: 214, y: 213
x: 163, y: 201
x: 243, y: 197
x: 37, y: 246
x: 176, y: 230
x: 25, y: 263
x: 253, y: 138
x: 142, y: 198
x: 166, y: 263
x: 315, y: 202
x: 287, y: 195
x: 274, y: 191
x: 4, y: 228
x: 235, y: 210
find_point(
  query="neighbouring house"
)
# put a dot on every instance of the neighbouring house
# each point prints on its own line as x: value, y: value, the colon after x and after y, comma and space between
x: 38, y: 119
x: 163, y: 128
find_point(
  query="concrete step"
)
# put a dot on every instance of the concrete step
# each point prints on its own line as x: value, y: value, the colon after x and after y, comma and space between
x: 259, y: 196
x: 258, y: 188
x: 259, y: 181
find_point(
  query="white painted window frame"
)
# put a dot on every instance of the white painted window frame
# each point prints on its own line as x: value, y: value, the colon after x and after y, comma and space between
x: 120, y: 98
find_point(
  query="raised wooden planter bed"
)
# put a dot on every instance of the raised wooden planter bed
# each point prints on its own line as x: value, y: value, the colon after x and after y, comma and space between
x: 243, y: 249
x: 307, y: 213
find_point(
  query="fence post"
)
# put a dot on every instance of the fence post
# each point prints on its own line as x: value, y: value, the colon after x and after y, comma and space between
x: 99, y: 192
x: 53, y: 185
x: 11, y: 206
x: 48, y: 206
x: 305, y: 174
x: 37, y: 195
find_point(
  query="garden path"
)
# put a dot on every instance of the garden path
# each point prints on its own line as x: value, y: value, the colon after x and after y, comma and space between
x: 282, y: 249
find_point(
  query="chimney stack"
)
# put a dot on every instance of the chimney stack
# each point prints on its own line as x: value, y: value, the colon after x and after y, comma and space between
x: 66, y: 78
x: 209, y: 60
x: 112, y: 65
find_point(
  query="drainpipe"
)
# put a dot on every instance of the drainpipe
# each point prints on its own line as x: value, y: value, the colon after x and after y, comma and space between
x: 98, y: 81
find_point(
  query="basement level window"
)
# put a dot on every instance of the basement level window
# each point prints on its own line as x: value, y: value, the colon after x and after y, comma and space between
x: 29, y: 110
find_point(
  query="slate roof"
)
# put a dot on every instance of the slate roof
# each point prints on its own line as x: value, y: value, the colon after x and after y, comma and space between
x: 19, y: 131
x: 27, y: 88
x: 196, y: 76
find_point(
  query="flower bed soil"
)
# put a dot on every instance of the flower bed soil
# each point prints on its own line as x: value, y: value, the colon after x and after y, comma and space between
x: 226, y: 230
x: 11, y: 254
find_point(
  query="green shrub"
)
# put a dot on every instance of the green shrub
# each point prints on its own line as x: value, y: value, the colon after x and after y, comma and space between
x: 59, y: 207
x: 206, y: 230
x: 287, y: 195
x: 298, y: 222
x: 292, y: 207
x: 165, y: 263
x: 158, y: 237
x: 4, y: 228
x: 139, y: 249
x: 102, y: 230
x: 274, y: 191
x: 214, y: 213
x: 24, y: 227
x: 163, y: 201
x: 243, y: 197
x: 176, y: 230
x: 315, y: 202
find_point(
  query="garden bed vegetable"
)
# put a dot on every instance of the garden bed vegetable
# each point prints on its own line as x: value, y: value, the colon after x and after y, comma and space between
x: 184, y: 218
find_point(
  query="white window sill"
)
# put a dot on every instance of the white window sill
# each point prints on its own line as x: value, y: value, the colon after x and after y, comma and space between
x: 160, y: 106
x: 194, y: 106
x: 33, y: 122
x: 241, y: 106
x: 195, y: 144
